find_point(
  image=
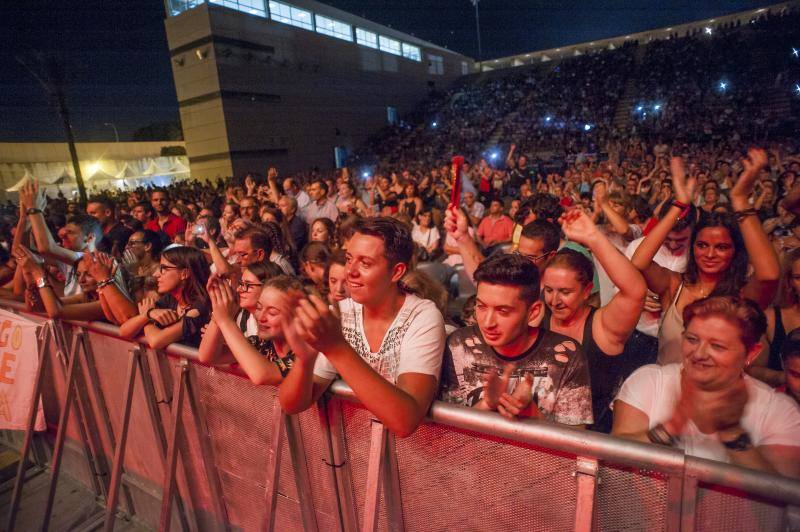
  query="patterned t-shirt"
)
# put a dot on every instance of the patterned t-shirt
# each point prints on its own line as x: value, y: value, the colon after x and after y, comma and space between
x: 413, y: 343
x: 557, y: 363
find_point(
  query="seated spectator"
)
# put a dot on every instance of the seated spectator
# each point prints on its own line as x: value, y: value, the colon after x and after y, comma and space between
x: 426, y: 236
x: 348, y: 202
x: 706, y: 405
x: 496, y: 227
x: 298, y: 228
x: 505, y: 362
x: 183, y: 308
x: 387, y: 345
x: 474, y: 208
x: 320, y: 206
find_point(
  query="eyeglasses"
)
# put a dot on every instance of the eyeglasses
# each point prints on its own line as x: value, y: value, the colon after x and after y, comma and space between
x: 532, y: 258
x: 163, y: 267
x: 245, y: 286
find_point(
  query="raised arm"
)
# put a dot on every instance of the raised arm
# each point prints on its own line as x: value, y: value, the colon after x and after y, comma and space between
x: 618, y: 224
x: 455, y: 224
x: 766, y: 269
x: 31, y: 197
x: 619, y: 316
x: 659, y: 279
x: 104, y: 270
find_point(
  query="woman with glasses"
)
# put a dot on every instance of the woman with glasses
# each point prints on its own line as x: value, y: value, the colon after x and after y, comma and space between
x: 248, y: 290
x: 567, y: 289
x: 264, y: 357
x: 182, y: 309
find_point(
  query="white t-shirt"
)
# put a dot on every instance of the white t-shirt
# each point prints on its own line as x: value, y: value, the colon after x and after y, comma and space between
x: 607, y: 288
x: 770, y: 417
x: 69, y: 271
x: 424, y: 239
x: 649, y: 321
x: 414, y: 342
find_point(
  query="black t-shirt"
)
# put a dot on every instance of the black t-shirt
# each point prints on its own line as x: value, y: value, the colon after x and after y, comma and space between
x: 561, y: 388
x: 192, y: 325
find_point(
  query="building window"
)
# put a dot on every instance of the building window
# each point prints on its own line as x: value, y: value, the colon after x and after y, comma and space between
x: 389, y: 45
x: 176, y: 7
x: 334, y: 28
x: 411, y: 52
x: 391, y: 115
x: 436, y: 65
x: 252, y: 7
x: 366, y: 38
x: 464, y: 68
x: 287, y: 14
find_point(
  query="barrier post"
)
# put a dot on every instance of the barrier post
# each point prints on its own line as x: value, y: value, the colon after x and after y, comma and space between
x: 43, y: 339
x: 586, y: 477
x: 674, y: 502
x: 156, y: 420
x: 58, y: 447
x: 297, y: 451
x: 344, y: 478
x: 274, y: 465
x: 689, y: 503
x: 391, y: 486
x: 119, y: 451
x: 375, y: 468
x: 172, y: 447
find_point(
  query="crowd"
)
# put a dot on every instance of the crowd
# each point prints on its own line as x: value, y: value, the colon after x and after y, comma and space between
x: 652, y: 292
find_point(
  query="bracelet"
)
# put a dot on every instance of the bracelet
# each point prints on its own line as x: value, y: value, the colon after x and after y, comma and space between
x: 684, y: 207
x: 106, y: 282
x: 661, y: 436
x: 739, y: 216
x: 33, y: 210
x: 147, y: 315
x: 740, y: 443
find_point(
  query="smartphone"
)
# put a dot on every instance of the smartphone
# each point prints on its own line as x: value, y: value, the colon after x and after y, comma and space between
x: 455, y: 189
x: 199, y: 229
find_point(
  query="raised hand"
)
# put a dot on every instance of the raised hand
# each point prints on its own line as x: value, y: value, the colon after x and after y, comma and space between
x: 29, y: 262
x: 27, y: 195
x: 250, y: 185
x: 455, y: 222
x: 145, y: 305
x: 751, y: 166
x: 272, y: 173
x: 683, y: 188
x: 578, y: 227
x: 317, y: 325
x: 99, y: 265
x: 292, y: 334
x: 129, y: 259
x: 224, y: 303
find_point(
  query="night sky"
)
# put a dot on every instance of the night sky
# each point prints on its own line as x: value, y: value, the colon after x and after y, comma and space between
x: 119, y: 69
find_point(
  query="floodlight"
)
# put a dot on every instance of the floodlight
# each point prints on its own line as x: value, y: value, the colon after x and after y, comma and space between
x: 587, y: 127
x: 708, y: 30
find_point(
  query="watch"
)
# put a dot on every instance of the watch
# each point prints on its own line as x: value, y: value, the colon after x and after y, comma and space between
x: 33, y: 210
x: 41, y: 282
x: 740, y: 443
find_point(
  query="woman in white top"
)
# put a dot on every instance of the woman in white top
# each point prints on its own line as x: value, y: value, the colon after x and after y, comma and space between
x: 425, y: 234
x: 707, y: 405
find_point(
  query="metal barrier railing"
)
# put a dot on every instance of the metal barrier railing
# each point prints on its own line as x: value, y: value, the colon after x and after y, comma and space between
x: 189, y: 447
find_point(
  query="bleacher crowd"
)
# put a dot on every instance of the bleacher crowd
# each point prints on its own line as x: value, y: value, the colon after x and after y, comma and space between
x: 642, y: 281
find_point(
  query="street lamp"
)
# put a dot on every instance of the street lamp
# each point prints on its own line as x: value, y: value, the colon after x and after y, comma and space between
x: 478, y: 28
x: 111, y: 124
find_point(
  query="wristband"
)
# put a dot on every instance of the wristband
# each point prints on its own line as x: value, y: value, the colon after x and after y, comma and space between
x: 682, y: 206
x: 740, y: 443
x: 661, y: 436
x: 147, y: 315
x: 106, y: 282
x: 741, y: 215
x: 33, y: 210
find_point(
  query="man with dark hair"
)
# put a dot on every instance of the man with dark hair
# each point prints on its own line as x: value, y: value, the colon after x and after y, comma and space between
x: 321, y: 206
x: 164, y: 220
x: 508, y: 364
x: 496, y: 227
x: 115, y: 234
x: 251, y: 245
x: 538, y: 242
x: 298, y: 228
x: 143, y: 212
x: 387, y: 345
x: 248, y: 208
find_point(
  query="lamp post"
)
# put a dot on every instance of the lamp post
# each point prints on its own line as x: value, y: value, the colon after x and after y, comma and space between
x: 478, y: 28
x: 111, y: 124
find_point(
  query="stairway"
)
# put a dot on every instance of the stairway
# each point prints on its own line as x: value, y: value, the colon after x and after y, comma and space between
x: 622, y: 115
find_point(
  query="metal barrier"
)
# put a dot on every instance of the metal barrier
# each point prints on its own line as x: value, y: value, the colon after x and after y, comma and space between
x: 188, y: 447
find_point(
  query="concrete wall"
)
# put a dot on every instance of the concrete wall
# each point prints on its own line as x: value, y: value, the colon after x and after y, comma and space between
x: 253, y: 92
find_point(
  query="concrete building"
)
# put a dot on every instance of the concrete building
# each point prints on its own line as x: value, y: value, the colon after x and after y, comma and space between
x: 292, y: 85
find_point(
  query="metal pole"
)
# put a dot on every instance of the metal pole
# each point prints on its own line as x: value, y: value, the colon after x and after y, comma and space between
x: 478, y: 29
x: 274, y: 465
x: 172, y: 449
x: 119, y: 452
x: 26, y: 445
